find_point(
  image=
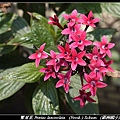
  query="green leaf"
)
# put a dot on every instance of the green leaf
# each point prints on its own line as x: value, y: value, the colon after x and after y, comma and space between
x: 4, y: 49
x: 27, y: 73
x: 89, y: 108
x: 111, y: 8
x: 20, y: 27
x: 24, y: 40
x: 97, y: 34
x: 6, y: 21
x: 41, y: 31
x: 45, y: 99
x: 7, y: 87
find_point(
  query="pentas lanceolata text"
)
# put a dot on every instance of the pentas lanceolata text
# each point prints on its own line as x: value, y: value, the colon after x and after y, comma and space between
x: 77, y: 56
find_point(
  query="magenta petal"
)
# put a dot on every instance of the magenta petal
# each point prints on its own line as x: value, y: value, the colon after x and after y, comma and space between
x: 47, y: 76
x: 43, y: 70
x: 66, y: 16
x: 101, y: 84
x: 81, y: 62
x: 87, y: 77
x: 44, y: 55
x: 111, y: 45
x: 98, y: 44
x: 83, y: 17
x: 109, y: 53
x: 82, y: 103
x: 50, y: 62
x: 60, y: 48
x: 37, y: 61
x: 90, y: 99
x: 66, y: 87
x: 33, y: 56
x: 89, y: 55
x: 42, y: 47
x: 77, y: 98
x: 74, y: 13
x: 90, y: 15
x: 52, y: 53
x: 73, y: 65
x: 59, y: 83
x: 93, y: 91
x: 95, y: 20
x: 65, y: 31
x: 104, y: 40
x: 85, y: 87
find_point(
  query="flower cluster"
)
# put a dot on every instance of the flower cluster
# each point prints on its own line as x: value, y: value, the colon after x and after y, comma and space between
x: 77, y: 56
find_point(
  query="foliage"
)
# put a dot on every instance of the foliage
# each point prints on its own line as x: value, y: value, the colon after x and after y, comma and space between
x: 17, y: 37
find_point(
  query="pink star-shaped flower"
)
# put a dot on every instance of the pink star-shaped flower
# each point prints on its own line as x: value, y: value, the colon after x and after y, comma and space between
x: 40, y: 54
x: 98, y: 68
x: 55, y: 61
x: 76, y: 59
x: 64, y: 51
x: 64, y: 80
x: 80, y: 41
x: 89, y: 20
x: 49, y: 72
x: 94, y: 56
x: 83, y: 97
x: 72, y: 18
x: 71, y: 30
x: 104, y: 46
x: 93, y: 83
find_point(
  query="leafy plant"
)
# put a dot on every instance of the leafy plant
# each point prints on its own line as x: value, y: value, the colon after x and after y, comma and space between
x: 19, y: 40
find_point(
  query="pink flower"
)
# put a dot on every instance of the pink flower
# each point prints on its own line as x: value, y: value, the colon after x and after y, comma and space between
x: 80, y: 41
x: 94, y: 56
x: 49, y: 72
x: 64, y: 80
x: 76, y: 59
x: 83, y: 97
x: 90, y: 20
x: 104, y: 46
x: 40, y: 54
x: 64, y: 52
x: 71, y: 30
x: 72, y: 18
x: 93, y: 83
x: 107, y: 65
x: 55, y: 61
x: 98, y: 68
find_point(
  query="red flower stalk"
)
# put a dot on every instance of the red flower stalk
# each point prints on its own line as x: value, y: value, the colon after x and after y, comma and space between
x: 55, y: 21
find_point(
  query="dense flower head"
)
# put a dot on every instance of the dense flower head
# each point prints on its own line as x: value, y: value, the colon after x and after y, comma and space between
x: 77, y: 56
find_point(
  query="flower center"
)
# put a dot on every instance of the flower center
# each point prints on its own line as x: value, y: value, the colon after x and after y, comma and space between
x: 93, y: 83
x: 80, y: 41
x: 39, y: 55
x: 95, y: 57
x: 57, y: 60
x: 65, y: 80
x: 84, y: 97
x: 105, y: 46
x: 96, y: 70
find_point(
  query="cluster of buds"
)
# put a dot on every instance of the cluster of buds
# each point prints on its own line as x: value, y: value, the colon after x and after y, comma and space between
x: 77, y: 56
